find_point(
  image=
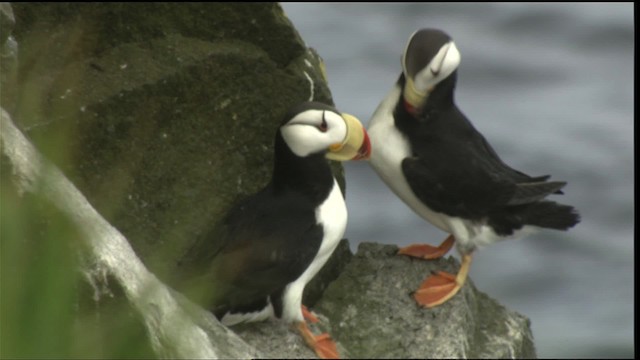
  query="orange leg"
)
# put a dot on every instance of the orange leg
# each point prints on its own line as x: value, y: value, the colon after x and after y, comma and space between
x: 442, y: 286
x: 308, y: 315
x: 428, y: 252
x: 322, y: 344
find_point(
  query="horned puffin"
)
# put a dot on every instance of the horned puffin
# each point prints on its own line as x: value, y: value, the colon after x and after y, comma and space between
x: 433, y: 158
x: 256, y: 262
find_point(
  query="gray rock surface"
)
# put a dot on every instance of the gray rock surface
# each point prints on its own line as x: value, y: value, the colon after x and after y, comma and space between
x: 373, y: 315
x: 278, y: 340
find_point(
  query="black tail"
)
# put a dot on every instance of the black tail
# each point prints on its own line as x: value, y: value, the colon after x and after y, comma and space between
x: 544, y: 178
x: 530, y: 192
x: 551, y: 215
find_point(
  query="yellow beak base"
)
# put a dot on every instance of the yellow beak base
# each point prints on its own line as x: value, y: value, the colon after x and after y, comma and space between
x: 411, y: 95
x: 356, y: 145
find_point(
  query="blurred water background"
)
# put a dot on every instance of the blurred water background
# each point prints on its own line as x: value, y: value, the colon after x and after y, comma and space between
x: 550, y: 85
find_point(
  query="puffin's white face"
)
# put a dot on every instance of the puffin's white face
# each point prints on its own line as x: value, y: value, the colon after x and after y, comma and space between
x: 442, y: 55
x: 341, y: 136
x: 443, y: 64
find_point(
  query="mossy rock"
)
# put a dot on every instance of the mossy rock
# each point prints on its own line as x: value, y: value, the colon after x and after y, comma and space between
x: 163, y: 115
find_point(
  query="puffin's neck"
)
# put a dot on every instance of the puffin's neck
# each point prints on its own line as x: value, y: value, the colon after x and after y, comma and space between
x: 440, y: 98
x: 409, y: 120
x: 309, y: 175
x: 442, y: 95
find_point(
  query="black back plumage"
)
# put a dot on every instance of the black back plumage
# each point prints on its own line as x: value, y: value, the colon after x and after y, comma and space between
x: 264, y: 242
x: 455, y: 171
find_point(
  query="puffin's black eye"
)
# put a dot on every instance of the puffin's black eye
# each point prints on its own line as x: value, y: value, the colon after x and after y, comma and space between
x: 323, y: 127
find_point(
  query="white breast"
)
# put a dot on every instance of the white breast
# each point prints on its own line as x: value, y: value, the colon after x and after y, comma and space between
x: 389, y: 147
x: 332, y: 216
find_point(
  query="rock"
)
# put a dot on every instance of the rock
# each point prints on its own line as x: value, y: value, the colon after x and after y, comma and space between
x: 7, y: 21
x: 275, y: 339
x: 373, y: 315
x: 65, y: 238
x: 162, y: 114
x: 8, y: 56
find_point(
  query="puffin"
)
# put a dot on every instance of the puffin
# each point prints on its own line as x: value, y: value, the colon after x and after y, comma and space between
x: 432, y: 157
x: 255, y: 263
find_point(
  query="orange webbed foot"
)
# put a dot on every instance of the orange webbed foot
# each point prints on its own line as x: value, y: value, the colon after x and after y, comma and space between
x: 442, y: 286
x: 308, y: 315
x: 436, y: 290
x: 428, y: 252
x: 322, y: 344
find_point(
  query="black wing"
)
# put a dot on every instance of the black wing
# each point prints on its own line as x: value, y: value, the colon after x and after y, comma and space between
x: 263, y: 244
x: 454, y: 170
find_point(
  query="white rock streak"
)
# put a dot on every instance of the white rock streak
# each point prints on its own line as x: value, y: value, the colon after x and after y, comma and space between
x: 172, y: 331
x: 311, y: 85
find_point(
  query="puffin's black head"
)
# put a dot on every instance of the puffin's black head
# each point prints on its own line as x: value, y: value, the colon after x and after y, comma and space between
x: 429, y: 58
x: 314, y: 128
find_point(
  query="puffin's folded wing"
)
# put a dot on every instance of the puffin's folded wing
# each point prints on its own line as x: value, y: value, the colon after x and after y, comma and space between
x: 456, y: 191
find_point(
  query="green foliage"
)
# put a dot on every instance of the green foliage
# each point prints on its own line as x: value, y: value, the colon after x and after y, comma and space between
x: 39, y: 276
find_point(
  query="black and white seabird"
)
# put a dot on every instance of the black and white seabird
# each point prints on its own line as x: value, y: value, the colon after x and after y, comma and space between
x: 256, y: 262
x: 432, y: 157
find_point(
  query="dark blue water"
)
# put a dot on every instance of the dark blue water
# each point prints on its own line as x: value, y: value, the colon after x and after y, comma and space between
x: 551, y: 87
